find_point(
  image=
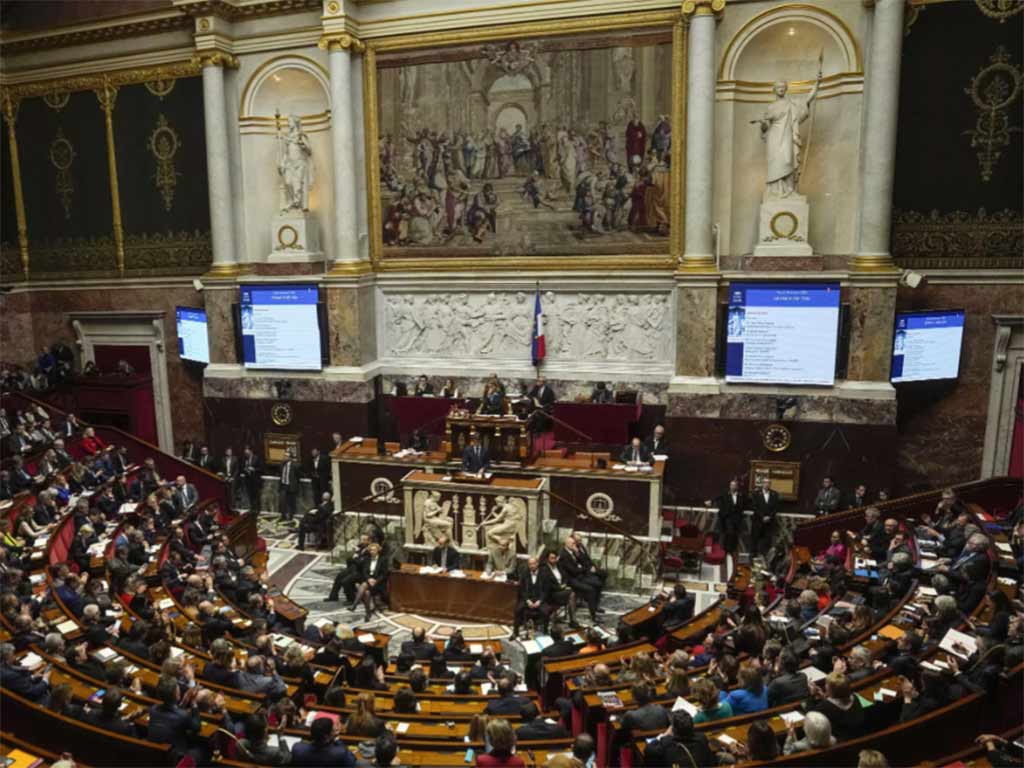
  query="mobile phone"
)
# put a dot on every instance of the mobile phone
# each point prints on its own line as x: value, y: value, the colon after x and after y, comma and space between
x: 470, y: 756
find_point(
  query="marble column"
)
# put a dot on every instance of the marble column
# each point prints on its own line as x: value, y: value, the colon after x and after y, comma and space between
x: 878, y: 165
x: 359, y: 147
x: 218, y: 162
x: 340, y: 50
x: 698, y: 246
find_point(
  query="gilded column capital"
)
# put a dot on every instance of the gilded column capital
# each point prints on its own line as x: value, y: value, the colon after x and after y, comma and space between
x: 703, y: 8
x: 9, y: 103
x: 341, y: 41
x: 215, y: 59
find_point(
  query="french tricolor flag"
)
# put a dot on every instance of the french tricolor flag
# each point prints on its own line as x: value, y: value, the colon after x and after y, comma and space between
x: 538, y: 331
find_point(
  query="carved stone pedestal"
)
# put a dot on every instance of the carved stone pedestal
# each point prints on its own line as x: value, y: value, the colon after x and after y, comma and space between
x: 294, y: 237
x: 783, y: 227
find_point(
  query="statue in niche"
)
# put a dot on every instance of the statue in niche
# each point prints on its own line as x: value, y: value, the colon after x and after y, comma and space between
x: 780, y: 131
x: 294, y: 165
x: 508, y: 519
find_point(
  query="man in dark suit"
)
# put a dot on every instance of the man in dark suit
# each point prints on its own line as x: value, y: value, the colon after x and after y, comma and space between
x: 348, y: 577
x: 585, y: 584
x: 319, y: 472
x: 230, y: 469
x: 169, y: 723
x: 423, y: 387
x: 730, y: 516
x: 790, y: 685
x: 635, y: 453
x: 859, y: 497
x: 765, y: 503
x: 19, y: 680
x: 206, y: 459
x: 316, y: 519
x: 21, y: 480
x: 560, y: 647
x: 534, y: 727
x: 444, y: 555
x: 657, y: 443
x: 507, y: 702
x: 682, y: 747
x: 533, y: 597
x: 543, y: 399
x: 288, y: 493
x: 186, y: 495
x: 475, y: 459
x: 647, y: 716
x: 679, y: 607
x: 107, y: 716
x: 419, y: 647
x: 323, y: 748
x: 828, y: 498
x: 200, y: 530
x: 252, y: 476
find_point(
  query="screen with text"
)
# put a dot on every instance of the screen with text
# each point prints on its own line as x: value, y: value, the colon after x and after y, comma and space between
x: 193, y: 336
x: 782, y: 333
x: 926, y: 345
x: 280, y: 328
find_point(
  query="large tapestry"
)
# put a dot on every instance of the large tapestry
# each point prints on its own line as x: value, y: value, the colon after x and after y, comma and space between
x: 545, y: 146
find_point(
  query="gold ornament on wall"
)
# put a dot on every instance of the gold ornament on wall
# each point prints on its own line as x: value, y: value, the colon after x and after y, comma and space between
x: 1000, y: 10
x: 993, y: 90
x: 281, y: 414
x: 777, y: 438
x: 164, y: 144
x: 160, y: 88
x: 62, y: 156
x: 57, y: 100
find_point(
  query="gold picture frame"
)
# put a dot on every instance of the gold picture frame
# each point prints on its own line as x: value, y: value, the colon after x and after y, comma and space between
x: 673, y: 21
x: 784, y: 476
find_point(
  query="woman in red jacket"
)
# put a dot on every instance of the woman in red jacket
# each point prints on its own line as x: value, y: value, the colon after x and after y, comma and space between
x: 92, y: 444
x: 503, y: 743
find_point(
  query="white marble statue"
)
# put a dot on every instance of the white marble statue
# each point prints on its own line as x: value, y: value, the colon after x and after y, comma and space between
x: 294, y: 166
x: 508, y: 520
x: 436, y: 520
x: 780, y: 131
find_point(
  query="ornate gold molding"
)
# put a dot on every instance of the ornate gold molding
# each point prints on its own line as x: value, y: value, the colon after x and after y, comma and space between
x: 62, y: 155
x: 374, y: 221
x: 96, y: 34
x: 107, y: 96
x: 175, y: 253
x: 350, y: 268
x: 342, y: 41
x: 994, y: 90
x: 118, y: 78
x: 1001, y: 10
x: 958, y: 240
x: 215, y: 59
x: 10, y: 111
x: 237, y: 11
x: 677, y: 186
x: 164, y: 144
x: 703, y: 7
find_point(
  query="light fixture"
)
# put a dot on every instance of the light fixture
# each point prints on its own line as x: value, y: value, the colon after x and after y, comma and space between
x: 792, y: 31
x: 912, y: 279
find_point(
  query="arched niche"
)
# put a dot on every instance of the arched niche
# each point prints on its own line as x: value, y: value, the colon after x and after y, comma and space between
x: 288, y: 85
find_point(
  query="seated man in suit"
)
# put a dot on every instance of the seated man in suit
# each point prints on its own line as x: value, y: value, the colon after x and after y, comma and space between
x: 444, y: 555
x: 507, y: 703
x: 681, y: 745
x: 169, y: 723
x: 679, y: 607
x: 791, y: 684
x: 601, y: 393
x: 475, y: 459
x: 315, y: 520
x: 534, y: 727
x: 502, y: 558
x: 657, y: 443
x: 647, y: 716
x: 323, y: 747
x: 585, y: 584
x: 419, y: 647
x: 543, y: 399
x: 423, y: 386
x: 635, y: 453
x: 533, y: 597
x: 34, y: 686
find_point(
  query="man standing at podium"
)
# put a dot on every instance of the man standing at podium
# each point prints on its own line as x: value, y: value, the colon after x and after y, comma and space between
x: 444, y: 555
x: 543, y: 399
x: 475, y: 459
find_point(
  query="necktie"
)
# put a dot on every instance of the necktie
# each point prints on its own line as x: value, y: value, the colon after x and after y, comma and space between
x: 444, y: 557
x: 284, y: 477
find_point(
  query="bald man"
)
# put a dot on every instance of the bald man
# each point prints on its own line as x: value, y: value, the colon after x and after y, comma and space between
x: 533, y: 597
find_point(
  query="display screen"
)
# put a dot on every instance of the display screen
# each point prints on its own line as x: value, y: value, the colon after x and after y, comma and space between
x: 926, y: 345
x: 782, y: 333
x: 193, y: 334
x: 280, y: 327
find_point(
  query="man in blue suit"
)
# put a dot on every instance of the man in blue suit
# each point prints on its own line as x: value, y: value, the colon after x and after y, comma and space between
x: 19, y: 680
x: 169, y: 723
x: 322, y: 749
x: 475, y: 458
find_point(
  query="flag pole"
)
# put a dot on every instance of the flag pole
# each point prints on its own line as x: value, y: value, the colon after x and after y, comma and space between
x: 810, y: 127
x: 533, y: 342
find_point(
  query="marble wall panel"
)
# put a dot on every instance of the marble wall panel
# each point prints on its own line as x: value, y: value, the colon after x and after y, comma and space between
x: 696, y: 315
x: 221, y: 322
x: 351, y: 325
x: 872, y: 312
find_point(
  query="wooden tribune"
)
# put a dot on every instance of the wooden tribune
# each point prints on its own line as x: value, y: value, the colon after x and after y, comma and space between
x: 469, y: 597
x: 503, y: 437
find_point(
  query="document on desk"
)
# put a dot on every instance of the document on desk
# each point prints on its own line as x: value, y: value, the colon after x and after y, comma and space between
x: 684, y: 705
x: 366, y: 638
x: 959, y: 644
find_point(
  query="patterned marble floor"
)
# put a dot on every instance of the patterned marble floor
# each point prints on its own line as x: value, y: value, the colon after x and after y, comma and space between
x: 306, y: 577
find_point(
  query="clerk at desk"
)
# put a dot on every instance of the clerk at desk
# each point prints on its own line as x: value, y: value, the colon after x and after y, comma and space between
x: 475, y: 458
x: 636, y: 453
x: 444, y: 555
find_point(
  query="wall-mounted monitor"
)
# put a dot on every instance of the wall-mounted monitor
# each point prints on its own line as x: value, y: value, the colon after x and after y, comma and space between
x: 280, y: 327
x: 926, y: 345
x: 193, y: 334
x: 782, y: 333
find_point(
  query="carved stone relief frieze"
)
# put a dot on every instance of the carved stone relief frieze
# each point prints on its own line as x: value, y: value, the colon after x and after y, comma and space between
x: 580, y: 327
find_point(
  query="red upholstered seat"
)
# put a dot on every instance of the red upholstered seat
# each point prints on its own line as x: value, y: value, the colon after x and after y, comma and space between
x: 714, y: 553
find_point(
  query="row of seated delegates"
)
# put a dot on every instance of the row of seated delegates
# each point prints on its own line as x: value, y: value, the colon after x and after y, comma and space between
x: 425, y: 388
x: 831, y: 499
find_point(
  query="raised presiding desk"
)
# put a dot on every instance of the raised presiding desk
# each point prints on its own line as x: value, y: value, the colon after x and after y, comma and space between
x: 628, y: 500
x: 414, y: 589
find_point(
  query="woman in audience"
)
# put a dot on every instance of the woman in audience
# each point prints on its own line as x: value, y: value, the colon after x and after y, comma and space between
x: 503, y: 743
x: 752, y: 696
x: 862, y: 620
x: 834, y: 554
x: 478, y: 730
x: 946, y: 617
x: 817, y: 734
x: 364, y: 721
x: 761, y: 741
x: 808, y: 601
x: 456, y: 646
x: 840, y: 706
x: 26, y: 529
x: 752, y: 633
x: 296, y: 666
x: 369, y: 676
x: 61, y: 702
x: 595, y: 643
x: 677, y: 682
x: 711, y: 708
x: 374, y: 575
x: 405, y: 702
x: 637, y: 668
x: 8, y: 540
x: 724, y: 670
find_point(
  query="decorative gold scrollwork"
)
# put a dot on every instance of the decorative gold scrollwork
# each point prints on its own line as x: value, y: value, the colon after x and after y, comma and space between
x: 161, y: 87
x: 57, y: 100
x: 62, y: 157
x: 164, y: 144
x: 993, y: 90
x: 1000, y: 9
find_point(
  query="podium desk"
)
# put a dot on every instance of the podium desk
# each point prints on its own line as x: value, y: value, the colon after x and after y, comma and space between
x: 468, y: 597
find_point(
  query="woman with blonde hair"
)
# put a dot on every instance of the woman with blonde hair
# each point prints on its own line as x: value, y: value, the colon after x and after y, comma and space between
x: 706, y: 693
x: 364, y: 721
x: 503, y: 746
